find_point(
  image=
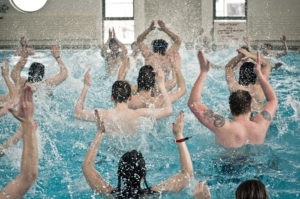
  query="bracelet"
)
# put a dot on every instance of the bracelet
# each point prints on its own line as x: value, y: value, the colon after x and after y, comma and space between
x: 183, y: 139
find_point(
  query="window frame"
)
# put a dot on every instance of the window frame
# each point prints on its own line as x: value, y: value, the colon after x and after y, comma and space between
x: 232, y: 17
x: 115, y: 18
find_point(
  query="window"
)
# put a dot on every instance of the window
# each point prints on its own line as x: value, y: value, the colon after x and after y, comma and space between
x: 118, y: 14
x: 230, y: 9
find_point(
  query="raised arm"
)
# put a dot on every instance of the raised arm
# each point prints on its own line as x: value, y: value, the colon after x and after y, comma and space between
x: 269, y: 109
x: 140, y: 40
x: 16, y: 71
x: 206, y: 116
x: 123, y: 72
x: 79, y: 112
x: 232, y: 83
x: 177, y: 42
x: 18, y: 187
x: 285, y: 47
x: 104, y: 47
x: 120, y: 44
x: 180, y: 180
x: 63, y: 73
x: 11, y: 87
x: 93, y: 178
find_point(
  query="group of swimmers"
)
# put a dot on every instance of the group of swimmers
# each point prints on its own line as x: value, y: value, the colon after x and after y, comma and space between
x: 151, y: 97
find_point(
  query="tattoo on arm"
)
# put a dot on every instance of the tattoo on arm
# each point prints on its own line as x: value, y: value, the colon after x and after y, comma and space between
x: 266, y: 115
x: 217, y: 120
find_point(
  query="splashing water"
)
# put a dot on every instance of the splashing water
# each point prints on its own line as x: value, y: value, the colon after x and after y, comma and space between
x: 63, y: 141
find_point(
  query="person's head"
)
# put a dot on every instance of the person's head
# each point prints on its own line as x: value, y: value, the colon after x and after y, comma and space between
x: 36, y: 72
x: 266, y: 48
x: 121, y: 91
x: 131, y: 172
x: 113, y: 45
x: 247, y: 74
x: 251, y: 189
x: 146, y: 78
x: 159, y: 46
x: 24, y: 41
x: 240, y: 102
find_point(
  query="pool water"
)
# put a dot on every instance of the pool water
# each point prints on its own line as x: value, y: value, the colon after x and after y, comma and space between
x: 63, y: 141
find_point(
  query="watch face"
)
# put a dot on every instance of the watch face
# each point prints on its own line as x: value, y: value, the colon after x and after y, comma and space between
x: 28, y: 5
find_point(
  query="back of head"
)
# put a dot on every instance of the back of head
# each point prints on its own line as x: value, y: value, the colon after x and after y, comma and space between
x: 240, y: 102
x: 113, y: 44
x: 131, y: 170
x: 251, y: 189
x: 23, y: 41
x: 146, y: 78
x: 36, y: 72
x: 159, y: 46
x: 247, y: 74
x: 121, y: 91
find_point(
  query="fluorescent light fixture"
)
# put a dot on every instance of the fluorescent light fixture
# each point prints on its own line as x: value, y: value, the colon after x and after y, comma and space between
x: 28, y: 5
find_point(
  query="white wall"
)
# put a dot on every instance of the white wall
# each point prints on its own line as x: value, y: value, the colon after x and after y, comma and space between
x: 76, y: 22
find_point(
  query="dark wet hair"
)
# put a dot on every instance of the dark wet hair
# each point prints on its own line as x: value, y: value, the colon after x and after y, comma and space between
x: 246, y: 48
x: 112, y: 42
x: 251, y: 189
x: 159, y: 46
x: 240, y: 102
x: 131, y: 170
x: 121, y: 91
x: 268, y: 46
x: 146, y: 78
x: 36, y: 72
x: 247, y: 74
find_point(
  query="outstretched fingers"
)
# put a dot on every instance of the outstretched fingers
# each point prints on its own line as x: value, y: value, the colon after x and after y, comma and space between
x: 202, y: 191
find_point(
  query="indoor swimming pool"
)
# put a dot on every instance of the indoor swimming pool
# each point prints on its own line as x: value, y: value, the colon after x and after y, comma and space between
x: 63, y: 140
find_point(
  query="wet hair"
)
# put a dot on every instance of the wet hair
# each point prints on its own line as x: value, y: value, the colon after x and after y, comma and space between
x: 251, y: 189
x: 121, y: 91
x: 240, y: 102
x: 146, y: 78
x: 268, y: 46
x: 36, y: 72
x: 247, y: 74
x: 246, y: 48
x: 112, y: 42
x: 159, y: 46
x: 131, y: 171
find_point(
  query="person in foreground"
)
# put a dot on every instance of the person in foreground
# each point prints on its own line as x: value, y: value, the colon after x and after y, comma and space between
x: 121, y: 119
x: 132, y: 168
x: 24, y: 50
x: 18, y: 187
x: 240, y: 130
x: 249, y: 189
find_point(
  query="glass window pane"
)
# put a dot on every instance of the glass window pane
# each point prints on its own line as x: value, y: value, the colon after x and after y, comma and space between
x: 124, y: 30
x: 118, y: 8
x: 230, y: 8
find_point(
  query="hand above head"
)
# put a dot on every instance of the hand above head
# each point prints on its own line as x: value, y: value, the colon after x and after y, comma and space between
x: 258, y: 65
x: 202, y: 191
x: 283, y: 38
x: 109, y: 34
x: 204, y: 63
x: 178, y: 126
x: 5, y: 68
x: 100, y: 123
x: 87, y: 77
x: 26, y: 105
x: 55, y: 51
x: 243, y: 52
x: 152, y: 26
x: 161, y: 24
x: 113, y: 33
x: 246, y: 40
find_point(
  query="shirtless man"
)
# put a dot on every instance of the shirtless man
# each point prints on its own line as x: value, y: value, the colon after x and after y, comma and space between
x: 144, y: 93
x: 121, y: 119
x: 35, y: 81
x: 247, y: 77
x: 160, y: 57
x: 24, y: 50
x: 240, y: 130
x: 110, y: 52
x: 18, y: 187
